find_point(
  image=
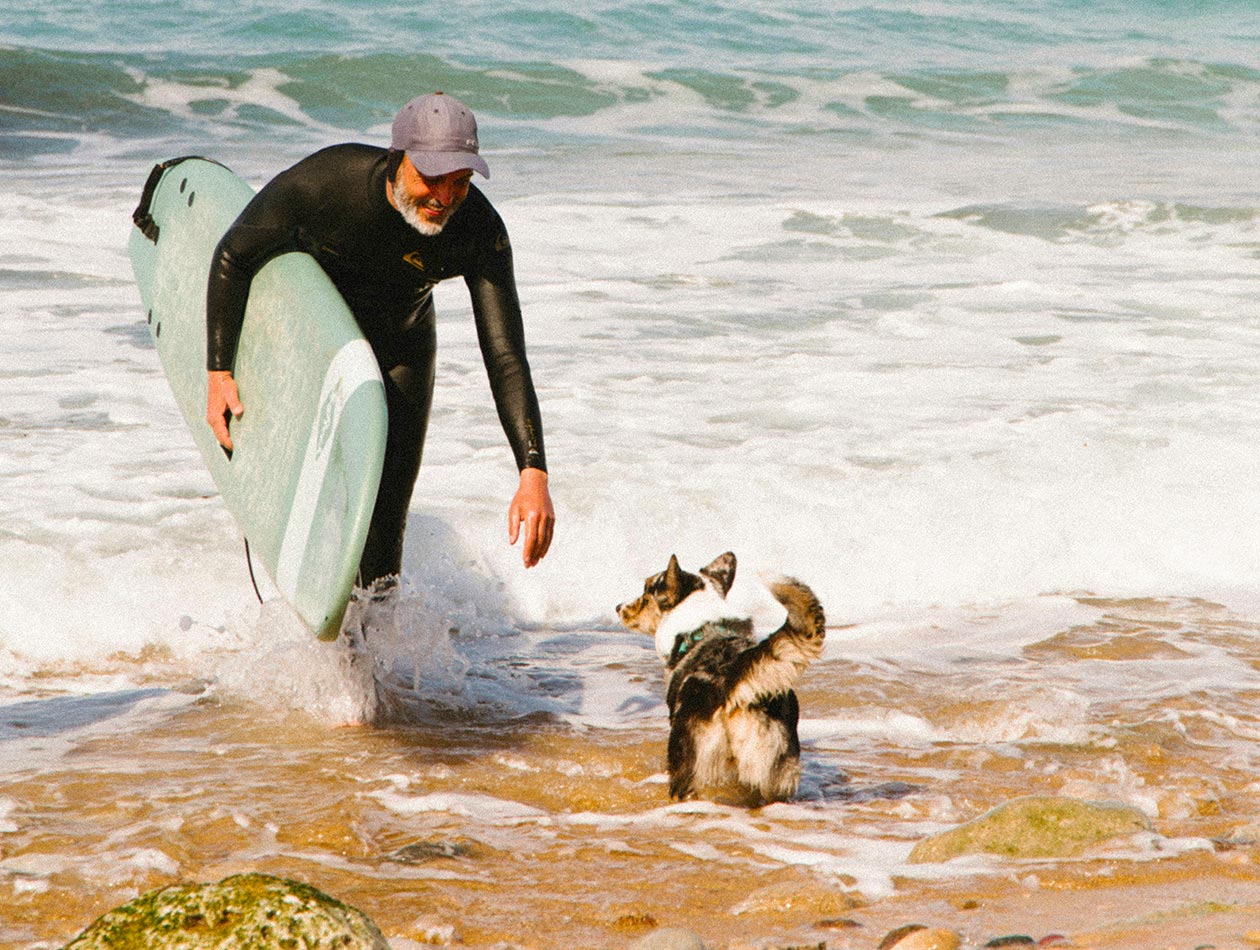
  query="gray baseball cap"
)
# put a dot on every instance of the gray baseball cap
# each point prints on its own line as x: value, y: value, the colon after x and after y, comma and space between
x: 439, y: 135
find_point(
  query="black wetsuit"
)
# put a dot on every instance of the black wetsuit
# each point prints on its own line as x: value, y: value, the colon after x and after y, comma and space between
x: 333, y: 206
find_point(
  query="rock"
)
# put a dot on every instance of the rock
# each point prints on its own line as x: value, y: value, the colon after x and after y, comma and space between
x: 244, y: 912
x: 1034, y: 827
x: 918, y: 937
x: 669, y: 938
x: 422, y: 852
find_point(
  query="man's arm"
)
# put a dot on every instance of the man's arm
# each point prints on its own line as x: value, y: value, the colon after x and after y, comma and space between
x: 501, y: 335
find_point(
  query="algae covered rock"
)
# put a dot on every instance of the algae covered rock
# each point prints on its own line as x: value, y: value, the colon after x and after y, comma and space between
x: 1034, y: 827
x: 254, y: 911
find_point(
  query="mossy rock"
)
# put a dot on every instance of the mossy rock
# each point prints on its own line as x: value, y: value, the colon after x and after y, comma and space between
x: 254, y: 911
x: 1034, y: 827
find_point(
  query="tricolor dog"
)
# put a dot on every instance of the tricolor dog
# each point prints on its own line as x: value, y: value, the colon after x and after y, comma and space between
x: 732, y: 709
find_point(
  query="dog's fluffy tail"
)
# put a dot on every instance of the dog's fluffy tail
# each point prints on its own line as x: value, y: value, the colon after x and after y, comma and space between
x: 800, y: 640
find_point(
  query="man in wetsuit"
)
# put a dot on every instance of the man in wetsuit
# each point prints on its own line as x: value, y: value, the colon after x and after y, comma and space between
x: 387, y: 225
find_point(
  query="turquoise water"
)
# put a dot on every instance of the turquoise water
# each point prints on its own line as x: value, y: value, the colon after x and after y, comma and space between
x: 899, y: 276
x: 776, y: 76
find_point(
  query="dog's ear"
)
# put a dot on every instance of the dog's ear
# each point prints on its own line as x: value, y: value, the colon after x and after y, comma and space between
x: 673, y: 578
x: 721, y: 572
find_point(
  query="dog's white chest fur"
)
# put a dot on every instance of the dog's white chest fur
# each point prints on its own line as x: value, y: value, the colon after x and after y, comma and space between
x: 745, y: 601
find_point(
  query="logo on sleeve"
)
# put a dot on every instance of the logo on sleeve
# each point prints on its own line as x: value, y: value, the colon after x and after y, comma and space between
x: 501, y: 243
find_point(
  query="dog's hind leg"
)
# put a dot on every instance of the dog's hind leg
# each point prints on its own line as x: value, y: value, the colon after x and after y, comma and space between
x: 766, y: 748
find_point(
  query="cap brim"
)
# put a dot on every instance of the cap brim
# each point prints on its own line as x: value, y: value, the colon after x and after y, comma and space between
x: 437, y: 164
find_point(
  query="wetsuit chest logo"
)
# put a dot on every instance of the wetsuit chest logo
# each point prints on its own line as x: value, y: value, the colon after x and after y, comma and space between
x: 415, y: 260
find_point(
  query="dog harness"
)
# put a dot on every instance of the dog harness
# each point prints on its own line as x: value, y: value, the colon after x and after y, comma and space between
x: 685, y: 641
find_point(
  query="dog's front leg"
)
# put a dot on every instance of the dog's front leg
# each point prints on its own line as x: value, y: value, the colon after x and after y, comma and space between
x: 692, y: 710
x: 682, y: 761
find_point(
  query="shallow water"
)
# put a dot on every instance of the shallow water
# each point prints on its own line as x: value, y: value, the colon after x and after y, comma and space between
x: 513, y: 805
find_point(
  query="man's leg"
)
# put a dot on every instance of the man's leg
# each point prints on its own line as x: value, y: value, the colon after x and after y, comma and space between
x: 408, y: 395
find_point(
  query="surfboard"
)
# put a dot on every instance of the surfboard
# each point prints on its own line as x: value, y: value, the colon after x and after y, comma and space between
x: 302, y: 478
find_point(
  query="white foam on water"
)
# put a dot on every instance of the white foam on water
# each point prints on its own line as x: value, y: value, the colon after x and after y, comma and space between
x: 484, y: 809
x: 966, y: 439
x: 262, y: 88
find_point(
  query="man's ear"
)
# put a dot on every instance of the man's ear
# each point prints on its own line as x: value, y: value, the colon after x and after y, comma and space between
x: 393, y: 159
x: 721, y: 572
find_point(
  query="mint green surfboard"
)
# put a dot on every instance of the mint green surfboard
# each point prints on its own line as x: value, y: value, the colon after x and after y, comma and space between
x: 302, y: 478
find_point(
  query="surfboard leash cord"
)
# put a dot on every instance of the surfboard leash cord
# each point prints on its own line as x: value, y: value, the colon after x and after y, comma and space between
x: 249, y: 562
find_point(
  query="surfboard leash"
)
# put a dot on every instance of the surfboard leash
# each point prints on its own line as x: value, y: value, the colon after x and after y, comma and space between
x: 249, y: 562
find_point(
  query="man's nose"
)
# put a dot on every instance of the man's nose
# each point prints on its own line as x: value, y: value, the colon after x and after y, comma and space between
x: 443, y: 190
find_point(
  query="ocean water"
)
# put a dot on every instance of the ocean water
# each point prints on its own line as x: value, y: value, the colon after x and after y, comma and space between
x: 950, y: 310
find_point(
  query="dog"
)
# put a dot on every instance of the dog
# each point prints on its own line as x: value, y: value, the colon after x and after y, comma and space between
x: 732, y: 709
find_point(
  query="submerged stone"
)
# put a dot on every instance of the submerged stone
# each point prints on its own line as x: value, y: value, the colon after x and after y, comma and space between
x: 422, y: 852
x: 918, y: 937
x: 669, y: 938
x: 1034, y: 827
x: 245, y: 912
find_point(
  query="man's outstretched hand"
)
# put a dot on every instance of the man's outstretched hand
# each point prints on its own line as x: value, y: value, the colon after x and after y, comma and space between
x: 532, y: 508
x: 222, y: 397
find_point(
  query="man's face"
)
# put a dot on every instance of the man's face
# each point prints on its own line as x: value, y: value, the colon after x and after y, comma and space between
x: 428, y: 203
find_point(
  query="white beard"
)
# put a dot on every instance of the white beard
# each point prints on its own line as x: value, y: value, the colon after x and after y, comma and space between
x: 411, y: 214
